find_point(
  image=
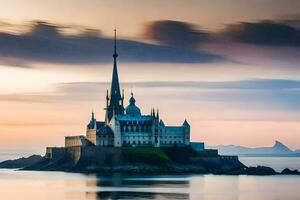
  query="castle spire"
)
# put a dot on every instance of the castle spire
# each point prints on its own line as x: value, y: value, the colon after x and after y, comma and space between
x: 115, y: 86
x: 115, y: 55
x: 115, y: 98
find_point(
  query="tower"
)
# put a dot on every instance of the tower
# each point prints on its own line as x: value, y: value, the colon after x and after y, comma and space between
x: 114, y: 100
x: 186, y: 131
x: 91, y: 130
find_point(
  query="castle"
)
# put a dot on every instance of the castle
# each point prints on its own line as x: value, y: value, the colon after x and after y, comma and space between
x: 128, y: 127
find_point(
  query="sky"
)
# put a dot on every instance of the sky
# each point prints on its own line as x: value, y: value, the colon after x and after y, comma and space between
x: 231, y: 67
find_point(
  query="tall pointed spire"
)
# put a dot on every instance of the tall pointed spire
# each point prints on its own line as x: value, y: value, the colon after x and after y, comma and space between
x: 115, y: 55
x: 115, y: 86
x: 115, y: 98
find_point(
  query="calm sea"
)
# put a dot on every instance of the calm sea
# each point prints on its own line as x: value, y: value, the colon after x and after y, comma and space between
x: 20, y: 185
x: 277, y: 163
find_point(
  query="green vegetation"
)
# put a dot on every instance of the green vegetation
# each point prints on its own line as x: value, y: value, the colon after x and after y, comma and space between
x: 148, y: 155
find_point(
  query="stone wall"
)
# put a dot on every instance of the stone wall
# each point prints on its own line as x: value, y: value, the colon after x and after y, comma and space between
x: 208, y: 153
x: 55, y: 152
x: 197, y: 146
x: 73, y: 154
x: 99, y: 159
x: 73, y: 141
x: 96, y: 155
x: 101, y: 156
x: 219, y: 163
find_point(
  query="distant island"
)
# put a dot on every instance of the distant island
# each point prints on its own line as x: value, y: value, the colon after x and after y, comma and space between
x: 278, y: 149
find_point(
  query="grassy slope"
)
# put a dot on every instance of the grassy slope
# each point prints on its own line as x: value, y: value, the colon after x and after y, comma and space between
x: 148, y: 155
x: 151, y: 155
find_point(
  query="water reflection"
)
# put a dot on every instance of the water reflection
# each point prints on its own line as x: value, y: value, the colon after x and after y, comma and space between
x: 30, y: 185
x: 121, y: 186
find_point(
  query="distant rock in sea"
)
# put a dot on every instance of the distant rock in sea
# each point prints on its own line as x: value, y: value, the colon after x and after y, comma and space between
x: 287, y: 171
x: 278, y: 149
x: 21, y: 162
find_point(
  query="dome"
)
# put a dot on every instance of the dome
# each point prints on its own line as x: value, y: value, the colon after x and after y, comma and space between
x: 132, y: 109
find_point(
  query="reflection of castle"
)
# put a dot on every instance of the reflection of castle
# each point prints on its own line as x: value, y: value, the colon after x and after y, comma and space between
x: 122, y: 186
x: 127, y: 126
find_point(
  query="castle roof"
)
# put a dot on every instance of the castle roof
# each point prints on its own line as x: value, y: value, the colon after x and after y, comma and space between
x: 132, y: 109
x: 92, y: 123
x: 185, y: 123
x: 104, y: 130
x: 134, y: 118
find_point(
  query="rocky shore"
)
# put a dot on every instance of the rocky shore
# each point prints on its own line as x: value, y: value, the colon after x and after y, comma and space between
x: 141, y: 161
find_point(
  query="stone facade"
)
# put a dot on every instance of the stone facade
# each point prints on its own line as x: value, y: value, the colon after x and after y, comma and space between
x: 197, y: 146
x: 73, y: 141
x: 137, y: 130
x: 55, y: 152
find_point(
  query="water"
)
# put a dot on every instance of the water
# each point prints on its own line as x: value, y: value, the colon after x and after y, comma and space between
x: 277, y: 163
x: 30, y: 185
x: 19, y: 185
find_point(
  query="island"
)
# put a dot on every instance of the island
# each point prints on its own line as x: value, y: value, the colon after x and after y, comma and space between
x: 128, y: 141
x: 140, y: 160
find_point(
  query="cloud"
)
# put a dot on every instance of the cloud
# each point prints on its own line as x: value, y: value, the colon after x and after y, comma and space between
x: 185, y: 35
x: 175, y: 33
x: 42, y: 29
x: 263, y: 94
x: 253, y: 84
x: 264, y: 33
x: 176, y: 42
x: 267, y: 43
x: 47, y: 42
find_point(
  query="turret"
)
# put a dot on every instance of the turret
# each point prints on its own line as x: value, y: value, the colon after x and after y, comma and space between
x: 91, y: 130
x: 161, y: 123
x: 186, y: 129
x: 122, y: 98
x: 107, y: 98
x: 185, y: 123
x: 92, y: 123
x: 93, y: 117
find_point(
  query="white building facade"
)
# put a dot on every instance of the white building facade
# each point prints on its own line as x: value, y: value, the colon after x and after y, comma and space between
x: 133, y: 129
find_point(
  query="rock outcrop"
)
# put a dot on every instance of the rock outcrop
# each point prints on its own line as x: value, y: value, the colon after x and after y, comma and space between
x: 22, y: 162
